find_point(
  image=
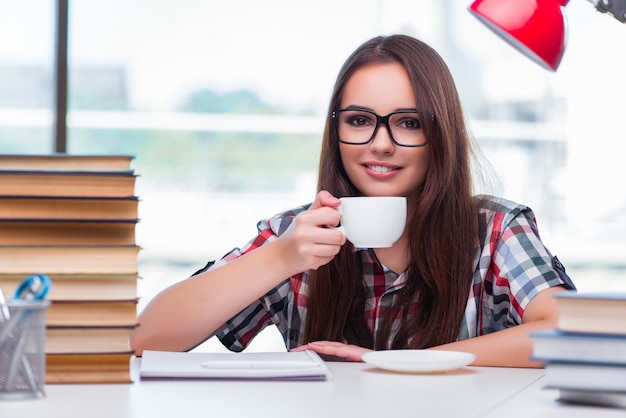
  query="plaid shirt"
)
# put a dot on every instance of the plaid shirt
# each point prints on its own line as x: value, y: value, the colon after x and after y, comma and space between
x: 512, y: 267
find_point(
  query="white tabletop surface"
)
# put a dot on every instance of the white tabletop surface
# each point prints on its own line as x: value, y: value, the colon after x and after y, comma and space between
x: 356, y: 390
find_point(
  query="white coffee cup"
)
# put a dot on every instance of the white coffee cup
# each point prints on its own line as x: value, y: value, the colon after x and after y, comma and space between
x: 372, y: 221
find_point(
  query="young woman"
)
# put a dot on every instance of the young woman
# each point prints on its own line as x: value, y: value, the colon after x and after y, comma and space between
x: 469, y: 273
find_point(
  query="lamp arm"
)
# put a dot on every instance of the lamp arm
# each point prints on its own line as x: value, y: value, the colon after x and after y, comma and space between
x: 616, y: 8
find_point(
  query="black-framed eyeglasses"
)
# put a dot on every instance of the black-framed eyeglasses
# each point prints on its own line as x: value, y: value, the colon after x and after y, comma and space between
x: 359, y: 126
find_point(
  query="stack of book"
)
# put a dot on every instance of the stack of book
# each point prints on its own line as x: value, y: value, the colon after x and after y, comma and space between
x: 73, y: 218
x: 585, y: 356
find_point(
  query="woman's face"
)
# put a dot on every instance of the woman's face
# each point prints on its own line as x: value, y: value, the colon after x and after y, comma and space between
x: 381, y: 167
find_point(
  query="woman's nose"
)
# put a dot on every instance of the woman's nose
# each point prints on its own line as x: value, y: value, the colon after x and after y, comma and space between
x: 382, y: 143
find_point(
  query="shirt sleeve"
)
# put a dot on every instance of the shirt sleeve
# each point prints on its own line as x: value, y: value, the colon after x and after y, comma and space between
x: 240, y: 330
x: 522, y: 267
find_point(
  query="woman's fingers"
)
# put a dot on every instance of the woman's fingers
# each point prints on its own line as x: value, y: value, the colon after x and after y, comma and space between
x: 335, y: 350
x: 324, y: 198
x: 309, y: 241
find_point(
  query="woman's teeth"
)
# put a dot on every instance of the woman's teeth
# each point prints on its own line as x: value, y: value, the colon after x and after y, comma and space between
x: 379, y: 168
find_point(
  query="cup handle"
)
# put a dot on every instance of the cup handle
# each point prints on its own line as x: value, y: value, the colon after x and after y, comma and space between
x: 339, y: 228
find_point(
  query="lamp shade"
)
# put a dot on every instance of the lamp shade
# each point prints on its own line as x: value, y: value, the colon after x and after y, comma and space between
x: 537, y: 28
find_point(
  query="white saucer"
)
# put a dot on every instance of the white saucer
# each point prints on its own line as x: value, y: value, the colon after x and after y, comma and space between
x: 418, y: 361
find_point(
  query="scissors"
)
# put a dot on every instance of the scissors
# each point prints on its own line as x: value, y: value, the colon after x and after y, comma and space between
x: 33, y: 287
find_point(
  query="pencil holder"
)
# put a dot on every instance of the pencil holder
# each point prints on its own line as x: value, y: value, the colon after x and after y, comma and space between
x: 22, y: 350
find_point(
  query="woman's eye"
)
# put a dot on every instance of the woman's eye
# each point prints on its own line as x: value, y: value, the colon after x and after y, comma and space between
x: 359, y: 120
x: 410, y: 123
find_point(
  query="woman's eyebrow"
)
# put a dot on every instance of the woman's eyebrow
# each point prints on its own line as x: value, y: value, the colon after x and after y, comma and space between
x: 398, y: 109
x: 357, y: 107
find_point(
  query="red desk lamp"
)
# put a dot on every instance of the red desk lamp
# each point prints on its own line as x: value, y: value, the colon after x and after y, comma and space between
x: 537, y: 28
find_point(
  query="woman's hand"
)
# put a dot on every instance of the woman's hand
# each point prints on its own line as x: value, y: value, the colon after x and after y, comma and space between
x: 335, y: 351
x: 308, y: 242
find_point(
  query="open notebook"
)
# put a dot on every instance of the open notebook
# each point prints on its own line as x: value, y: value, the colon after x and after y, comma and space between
x: 304, y: 365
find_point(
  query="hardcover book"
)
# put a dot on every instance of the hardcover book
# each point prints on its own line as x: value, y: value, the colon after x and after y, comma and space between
x: 87, y: 232
x: 67, y: 183
x: 596, y: 398
x: 81, y: 286
x: 94, y: 313
x: 88, y: 368
x: 556, y: 345
x: 82, y: 339
x: 583, y: 376
x: 68, y: 207
x: 597, y: 312
x: 69, y: 259
x: 62, y: 161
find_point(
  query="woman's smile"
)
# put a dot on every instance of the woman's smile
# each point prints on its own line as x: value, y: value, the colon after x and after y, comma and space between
x: 381, y: 170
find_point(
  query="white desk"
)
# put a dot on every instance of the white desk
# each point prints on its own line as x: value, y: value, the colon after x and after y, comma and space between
x: 357, y: 390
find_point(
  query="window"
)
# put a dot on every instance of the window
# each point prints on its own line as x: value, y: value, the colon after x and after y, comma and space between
x: 26, y: 74
x: 223, y: 105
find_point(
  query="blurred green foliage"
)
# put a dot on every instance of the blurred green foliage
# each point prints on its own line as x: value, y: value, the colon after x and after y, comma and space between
x: 224, y: 161
x: 212, y: 161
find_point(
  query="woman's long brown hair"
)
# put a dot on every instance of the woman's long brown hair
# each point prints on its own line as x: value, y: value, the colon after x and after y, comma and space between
x: 441, y: 222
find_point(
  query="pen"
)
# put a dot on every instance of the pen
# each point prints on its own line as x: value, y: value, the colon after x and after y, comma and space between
x: 262, y: 365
